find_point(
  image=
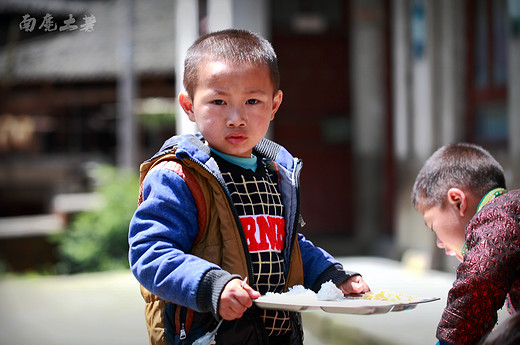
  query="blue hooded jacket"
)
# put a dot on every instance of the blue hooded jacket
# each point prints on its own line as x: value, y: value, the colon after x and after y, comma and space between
x: 164, y: 228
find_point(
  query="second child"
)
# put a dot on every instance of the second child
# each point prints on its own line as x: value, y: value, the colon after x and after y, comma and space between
x: 461, y: 194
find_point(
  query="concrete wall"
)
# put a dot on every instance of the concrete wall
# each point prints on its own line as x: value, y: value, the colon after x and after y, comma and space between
x: 368, y: 116
x: 428, y: 91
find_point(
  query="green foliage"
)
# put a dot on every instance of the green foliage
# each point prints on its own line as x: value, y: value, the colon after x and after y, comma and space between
x: 96, y: 240
x: 156, y: 122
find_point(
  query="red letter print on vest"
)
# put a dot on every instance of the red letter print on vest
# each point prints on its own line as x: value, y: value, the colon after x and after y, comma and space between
x: 264, y: 233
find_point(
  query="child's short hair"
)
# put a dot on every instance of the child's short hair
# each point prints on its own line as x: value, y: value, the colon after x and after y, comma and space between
x: 462, y: 165
x: 232, y: 45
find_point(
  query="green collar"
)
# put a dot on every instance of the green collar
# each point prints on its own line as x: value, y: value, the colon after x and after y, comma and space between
x: 490, y: 196
x: 483, y: 202
x: 244, y: 162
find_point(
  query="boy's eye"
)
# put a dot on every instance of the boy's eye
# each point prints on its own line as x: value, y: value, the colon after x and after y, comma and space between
x: 252, y: 101
x: 218, y: 102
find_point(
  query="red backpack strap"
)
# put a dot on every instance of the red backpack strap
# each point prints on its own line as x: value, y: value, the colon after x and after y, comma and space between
x: 194, y: 187
x: 184, y: 321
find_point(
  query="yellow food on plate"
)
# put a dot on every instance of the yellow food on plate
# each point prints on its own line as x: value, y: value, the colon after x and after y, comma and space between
x: 385, y: 295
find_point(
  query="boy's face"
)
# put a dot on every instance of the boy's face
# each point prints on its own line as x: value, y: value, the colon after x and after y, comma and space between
x: 449, y: 221
x: 232, y: 105
x: 446, y: 226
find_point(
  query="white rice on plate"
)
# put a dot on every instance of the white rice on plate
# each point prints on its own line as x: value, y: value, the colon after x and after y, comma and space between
x: 298, y: 293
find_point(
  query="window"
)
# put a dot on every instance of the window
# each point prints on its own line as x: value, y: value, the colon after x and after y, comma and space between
x: 487, y: 73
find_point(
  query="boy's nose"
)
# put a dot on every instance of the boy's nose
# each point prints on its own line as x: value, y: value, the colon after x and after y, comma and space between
x: 440, y: 244
x: 236, y: 118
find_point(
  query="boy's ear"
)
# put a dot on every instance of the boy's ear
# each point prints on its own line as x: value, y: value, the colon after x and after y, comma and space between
x: 458, y: 199
x: 187, y: 105
x: 277, y: 101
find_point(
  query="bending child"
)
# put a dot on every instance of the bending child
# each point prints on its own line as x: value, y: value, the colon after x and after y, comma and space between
x: 223, y: 205
x: 461, y: 194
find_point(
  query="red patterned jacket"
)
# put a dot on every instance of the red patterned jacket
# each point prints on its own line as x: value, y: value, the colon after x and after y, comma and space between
x: 489, y: 274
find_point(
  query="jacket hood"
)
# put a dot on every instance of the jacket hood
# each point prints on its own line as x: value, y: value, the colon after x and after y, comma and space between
x: 193, y: 146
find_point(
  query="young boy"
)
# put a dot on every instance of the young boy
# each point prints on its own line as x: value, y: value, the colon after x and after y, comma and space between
x: 461, y: 194
x: 222, y: 206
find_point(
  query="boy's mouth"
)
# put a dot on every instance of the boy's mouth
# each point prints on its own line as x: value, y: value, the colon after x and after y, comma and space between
x: 452, y: 253
x: 236, y: 138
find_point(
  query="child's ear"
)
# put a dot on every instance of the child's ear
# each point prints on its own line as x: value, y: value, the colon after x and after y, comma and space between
x: 277, y: 100
x: 187, y: 105
x: 458, y: 199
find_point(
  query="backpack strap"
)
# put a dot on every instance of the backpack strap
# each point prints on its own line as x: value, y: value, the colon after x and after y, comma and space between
x: 167, y: 162
x: 155, y: 306
x: 194, y: 188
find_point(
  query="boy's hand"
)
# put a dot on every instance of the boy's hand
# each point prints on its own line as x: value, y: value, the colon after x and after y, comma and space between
x: 354, y: 284
x: 235, y: 299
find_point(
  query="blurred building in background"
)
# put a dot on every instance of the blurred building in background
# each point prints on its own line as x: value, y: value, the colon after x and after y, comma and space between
x: 59, y: 92
x: 371, y: 89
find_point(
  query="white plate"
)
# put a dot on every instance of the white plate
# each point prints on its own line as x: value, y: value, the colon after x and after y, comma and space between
x: 342, y: 306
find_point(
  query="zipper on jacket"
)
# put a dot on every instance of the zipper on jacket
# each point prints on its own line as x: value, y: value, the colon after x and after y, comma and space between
x: 297, y: 216
x: 182, y: 334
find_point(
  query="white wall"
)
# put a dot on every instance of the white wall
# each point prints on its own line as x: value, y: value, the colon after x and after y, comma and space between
x: 186, y: 32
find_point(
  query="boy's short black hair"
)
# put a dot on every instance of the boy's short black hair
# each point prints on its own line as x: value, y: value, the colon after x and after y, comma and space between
x: 463, y: 165
x: 232, y: 45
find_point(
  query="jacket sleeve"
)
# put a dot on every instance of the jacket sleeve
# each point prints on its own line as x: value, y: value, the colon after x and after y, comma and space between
x: 319, y: 266
x: 161, y: 235
x: 483, y: 281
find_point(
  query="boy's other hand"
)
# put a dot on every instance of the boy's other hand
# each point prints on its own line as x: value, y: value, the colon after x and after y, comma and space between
x: 354, y: 284
x: 235, y: 299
